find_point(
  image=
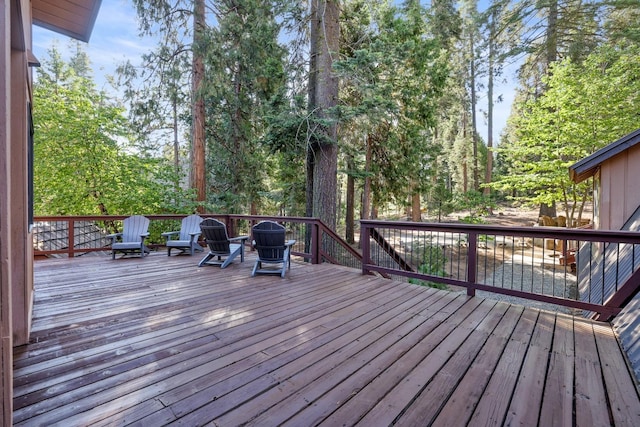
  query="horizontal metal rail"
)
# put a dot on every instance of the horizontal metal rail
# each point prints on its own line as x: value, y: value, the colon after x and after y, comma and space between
x: 594, y: 271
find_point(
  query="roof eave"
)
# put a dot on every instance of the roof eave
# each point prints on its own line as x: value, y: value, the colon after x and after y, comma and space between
x: 588, y: 166
x: 50, y: 22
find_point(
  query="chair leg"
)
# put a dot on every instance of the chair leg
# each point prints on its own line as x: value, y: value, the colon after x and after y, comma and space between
x: 205, y: 259
x: 255, y: 268
x: 229, y: 259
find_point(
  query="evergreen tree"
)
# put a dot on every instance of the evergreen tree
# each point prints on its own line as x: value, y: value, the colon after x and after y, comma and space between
x: 245, y: 85
x: 394, y: 82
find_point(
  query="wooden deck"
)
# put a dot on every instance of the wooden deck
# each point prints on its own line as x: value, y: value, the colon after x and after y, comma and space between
x: 160, y: 341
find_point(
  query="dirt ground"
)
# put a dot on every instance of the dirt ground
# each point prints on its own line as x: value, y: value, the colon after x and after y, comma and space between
x: 513, y: 216
x: 508, y: 216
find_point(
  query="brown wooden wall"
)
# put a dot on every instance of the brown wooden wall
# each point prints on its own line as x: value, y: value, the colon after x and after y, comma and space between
x: 16, y: 252
x: 619, y: 191
x: 21, y: 244
x: 6, y: 345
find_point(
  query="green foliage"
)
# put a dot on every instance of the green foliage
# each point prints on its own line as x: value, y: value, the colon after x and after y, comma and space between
x: 433, y: 264
x: 440, y: 200
x: 82, y: 165
x: 392, y: 77
x: 476, y: 203
x: 584, y: 108
x: 245, y: 85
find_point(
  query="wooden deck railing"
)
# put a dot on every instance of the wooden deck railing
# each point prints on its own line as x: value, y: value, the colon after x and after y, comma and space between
x: 77, y: 235
x: 590, y: 270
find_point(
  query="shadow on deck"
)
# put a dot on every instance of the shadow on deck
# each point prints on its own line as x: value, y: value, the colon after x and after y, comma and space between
x: 158, y: 340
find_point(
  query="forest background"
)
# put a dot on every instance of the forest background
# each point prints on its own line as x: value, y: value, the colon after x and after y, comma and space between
x: 338, y: 110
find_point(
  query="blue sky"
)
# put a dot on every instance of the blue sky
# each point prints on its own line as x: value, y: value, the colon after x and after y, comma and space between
x: 116, y: 38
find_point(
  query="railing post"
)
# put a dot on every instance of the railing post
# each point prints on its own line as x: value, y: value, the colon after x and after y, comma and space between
x: 472, y: 255
x: 72, y: 238
x: 315, y: 243
x: 365, y: 247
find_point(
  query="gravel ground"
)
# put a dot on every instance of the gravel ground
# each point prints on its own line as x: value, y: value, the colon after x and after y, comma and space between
x: 513, y: 274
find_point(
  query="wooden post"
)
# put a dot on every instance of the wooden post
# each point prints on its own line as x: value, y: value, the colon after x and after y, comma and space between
x: 365, y: 247
x: 72, y: 238
x: 472, y: 262
x: 316, y: 244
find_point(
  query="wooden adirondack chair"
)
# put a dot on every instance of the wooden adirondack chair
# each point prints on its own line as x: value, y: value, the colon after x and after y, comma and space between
x: 131, y: 239
x: 273, y: 249
x: 187, y: 237
x: 220, y: 245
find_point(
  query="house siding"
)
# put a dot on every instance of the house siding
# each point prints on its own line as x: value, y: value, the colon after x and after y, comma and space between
x: 16, y: 253
x: 620, y: 192
x: 6, y: 323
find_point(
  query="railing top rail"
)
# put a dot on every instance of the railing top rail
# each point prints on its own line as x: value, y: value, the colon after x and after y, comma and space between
x: 175, y: 216
x: 621, y: 236
x: 296, y: 219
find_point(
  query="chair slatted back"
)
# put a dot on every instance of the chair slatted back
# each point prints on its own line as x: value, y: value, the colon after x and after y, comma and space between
x: 190, y: 224
x: 269, y: 238
x: 133, y: 227
x: 215, y: 234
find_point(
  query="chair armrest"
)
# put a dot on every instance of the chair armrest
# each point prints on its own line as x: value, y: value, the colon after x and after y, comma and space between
x: 289, y: 243
x: 113, y: 237
x: 170, y: 233
x: 239, y: 238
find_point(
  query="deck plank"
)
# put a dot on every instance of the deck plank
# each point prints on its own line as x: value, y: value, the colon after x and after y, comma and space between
x: 413, y: 382
x: 313, y: 404
x: 159, y: 341
x: 305, y: 369
x: 436, y: 394
x: 591, y: 398
x: 164, y: 370
x: 495, y: 400
x: 527, y: 396
x: 622, y: 392
x: 463, y: 400
x: 557, y: 402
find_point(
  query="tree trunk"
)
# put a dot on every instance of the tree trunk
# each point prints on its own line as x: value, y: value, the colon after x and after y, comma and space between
x: 552, y: 33
x: 416, y: 213
x: 489, y: 170
x: 366, y: 191
x: 465, y: 169
x: 309, y: 197
x: 325, y: 35
x: 474, y: 119
x: 548, y: 210
x: 465, y: 180
x: 198, y: 178
x: 552, y: 54
x: 349, y: 233
x: 176, y: 141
